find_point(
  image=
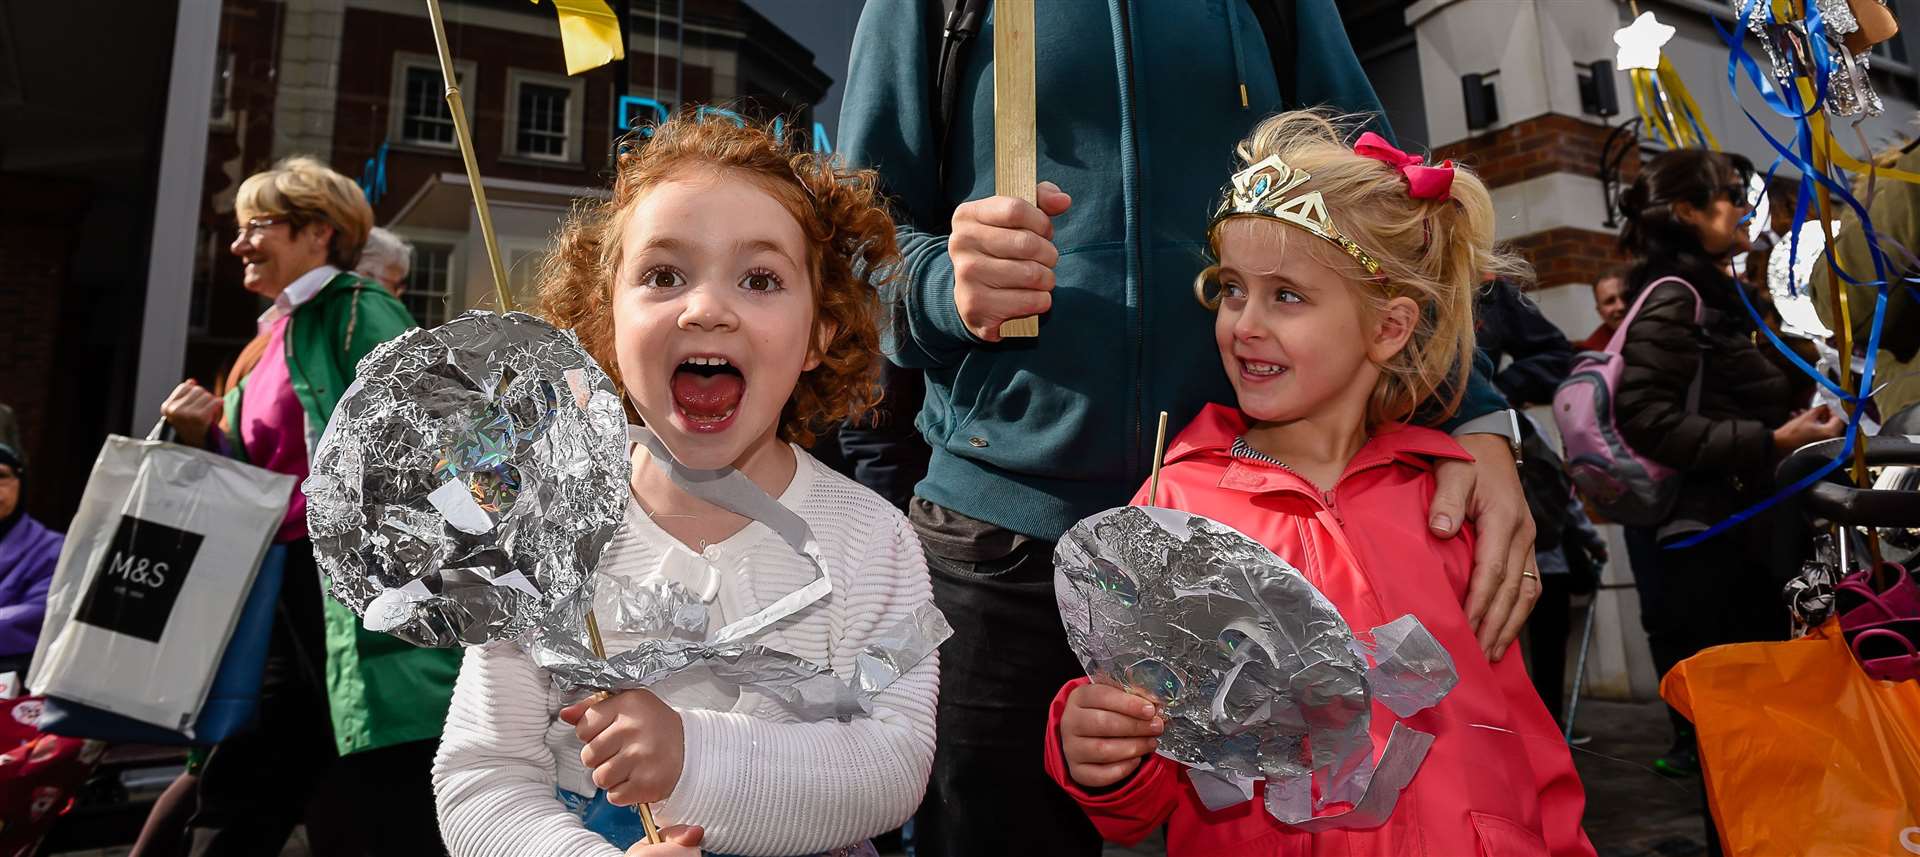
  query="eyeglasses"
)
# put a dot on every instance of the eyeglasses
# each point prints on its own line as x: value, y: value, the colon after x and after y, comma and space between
x: 254, y: 226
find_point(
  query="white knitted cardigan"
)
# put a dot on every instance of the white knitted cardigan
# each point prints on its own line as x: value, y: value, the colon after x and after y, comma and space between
x: 758, y: 781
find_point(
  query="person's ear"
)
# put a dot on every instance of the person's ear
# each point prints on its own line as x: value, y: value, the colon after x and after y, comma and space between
x: 1687, y: 213
x: 320, y: 232
x: 1396, y: 326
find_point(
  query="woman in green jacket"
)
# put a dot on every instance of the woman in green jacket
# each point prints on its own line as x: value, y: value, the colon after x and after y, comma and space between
x: 301, y: 229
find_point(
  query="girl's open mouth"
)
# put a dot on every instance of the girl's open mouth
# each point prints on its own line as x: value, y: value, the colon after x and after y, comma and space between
x: 707, y: 390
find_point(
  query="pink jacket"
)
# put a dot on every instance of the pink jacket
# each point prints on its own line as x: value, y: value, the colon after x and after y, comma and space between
x: 1498, y: 782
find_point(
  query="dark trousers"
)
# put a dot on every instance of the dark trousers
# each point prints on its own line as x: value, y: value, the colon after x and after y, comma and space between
x: 1548, y: 628
x: 1718, y: 592
x: 989, y: 793
x: 1665, y: 641
x: 283, y: 770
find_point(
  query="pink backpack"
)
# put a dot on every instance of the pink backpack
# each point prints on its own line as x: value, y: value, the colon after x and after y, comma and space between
x: 1627, y: 487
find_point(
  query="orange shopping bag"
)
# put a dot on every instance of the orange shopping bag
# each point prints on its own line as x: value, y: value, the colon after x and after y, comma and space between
x: 1802, y: 752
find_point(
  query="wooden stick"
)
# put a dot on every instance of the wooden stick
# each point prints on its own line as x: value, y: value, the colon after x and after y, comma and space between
x: 1159, y: 455
x: 465, y: 137
x: 1015, y: 135
x: 600, y: 651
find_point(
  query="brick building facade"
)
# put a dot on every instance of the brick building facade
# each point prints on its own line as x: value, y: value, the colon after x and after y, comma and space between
x: 357, y: 83
x: 1539, y: 148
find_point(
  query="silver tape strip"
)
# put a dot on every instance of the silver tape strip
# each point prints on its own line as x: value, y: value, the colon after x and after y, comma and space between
x: 732, y: 490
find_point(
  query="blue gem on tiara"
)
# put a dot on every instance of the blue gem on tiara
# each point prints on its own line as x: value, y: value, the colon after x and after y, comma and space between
x: 1260, y: 186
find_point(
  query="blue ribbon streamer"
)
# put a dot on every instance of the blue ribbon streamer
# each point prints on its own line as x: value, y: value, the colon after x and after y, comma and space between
x: 373, y: 175
x: 1786, y: 102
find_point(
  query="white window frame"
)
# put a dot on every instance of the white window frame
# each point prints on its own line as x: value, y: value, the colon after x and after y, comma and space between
x: 523, y: 258
x: 575, y: 122
x: 449, y: 288
x: 466, y: 70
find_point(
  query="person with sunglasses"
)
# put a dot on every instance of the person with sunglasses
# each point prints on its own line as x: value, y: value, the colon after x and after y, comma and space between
x: 1701, y: 392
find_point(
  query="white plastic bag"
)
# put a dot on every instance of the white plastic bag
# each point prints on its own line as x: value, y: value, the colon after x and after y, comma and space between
x: 157, y: 565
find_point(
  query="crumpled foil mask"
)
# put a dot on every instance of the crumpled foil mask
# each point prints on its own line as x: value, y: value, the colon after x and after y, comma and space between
x: 674, y: 624
x: 469, y: 480
x: 1259, y: 676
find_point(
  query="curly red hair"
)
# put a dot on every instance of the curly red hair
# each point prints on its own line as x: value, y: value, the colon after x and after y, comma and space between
x: 850, y: 247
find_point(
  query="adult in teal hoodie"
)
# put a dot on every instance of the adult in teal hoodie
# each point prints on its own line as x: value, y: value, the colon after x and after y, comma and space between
x: 1140, y: 105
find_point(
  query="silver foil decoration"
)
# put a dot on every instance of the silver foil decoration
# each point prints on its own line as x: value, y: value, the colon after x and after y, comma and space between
x: 469, y: 480
x: 472, y: 477
x: 1260, y: 677
x: 673, y: 623
x: 1849, y: 88
x: 676, y: 641
x: 732, y: 490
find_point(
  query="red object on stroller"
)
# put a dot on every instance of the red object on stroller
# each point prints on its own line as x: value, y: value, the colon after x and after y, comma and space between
x: 39, y: 774
x: 1882, y: 628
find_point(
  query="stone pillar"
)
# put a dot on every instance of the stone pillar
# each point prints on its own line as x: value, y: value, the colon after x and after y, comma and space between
x: 1540, y: 159
x: 308, y: 78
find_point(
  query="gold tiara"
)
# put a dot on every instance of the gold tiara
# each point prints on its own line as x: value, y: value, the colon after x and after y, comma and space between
x: 1262, y: 190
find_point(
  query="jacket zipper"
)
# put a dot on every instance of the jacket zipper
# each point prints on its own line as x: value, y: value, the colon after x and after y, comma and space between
x: 1327, y: 496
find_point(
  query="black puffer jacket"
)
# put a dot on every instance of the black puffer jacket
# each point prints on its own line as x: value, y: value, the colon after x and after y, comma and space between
x: 1724, y: 448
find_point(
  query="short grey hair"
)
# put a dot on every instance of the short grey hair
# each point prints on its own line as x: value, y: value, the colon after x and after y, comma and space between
x: 385, y: 248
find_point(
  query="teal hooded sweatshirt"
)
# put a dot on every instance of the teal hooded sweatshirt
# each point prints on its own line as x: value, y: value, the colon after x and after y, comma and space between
x: 1139, y: 109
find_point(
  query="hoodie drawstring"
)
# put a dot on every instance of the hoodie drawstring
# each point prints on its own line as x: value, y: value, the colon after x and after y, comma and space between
x: 1233, y: 45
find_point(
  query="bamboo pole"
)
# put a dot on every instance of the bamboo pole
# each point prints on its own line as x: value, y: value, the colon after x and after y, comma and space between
x: 600, y: 651
x: 1842, y: 311
x: 464, y: 135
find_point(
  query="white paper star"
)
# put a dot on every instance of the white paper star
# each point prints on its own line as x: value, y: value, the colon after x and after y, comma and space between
x: 1640, y: 42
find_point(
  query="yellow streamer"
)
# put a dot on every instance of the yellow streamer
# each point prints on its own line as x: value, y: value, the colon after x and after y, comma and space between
x: 1643, y: 92
x: 1678, y: 114
x: 589, y: 33
x: 1670, y: 81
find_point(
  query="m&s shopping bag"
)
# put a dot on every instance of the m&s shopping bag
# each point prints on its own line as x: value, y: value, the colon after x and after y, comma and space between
x: 157, y: 566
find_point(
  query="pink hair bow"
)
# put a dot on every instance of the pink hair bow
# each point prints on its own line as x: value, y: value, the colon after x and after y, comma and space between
x: 1423, y: 182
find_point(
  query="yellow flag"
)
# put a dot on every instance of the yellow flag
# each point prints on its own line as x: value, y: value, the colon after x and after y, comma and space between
x: 590, y: 34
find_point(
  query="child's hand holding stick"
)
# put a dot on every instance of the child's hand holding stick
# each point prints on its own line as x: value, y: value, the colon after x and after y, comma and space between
x: 1105, y: 732
x: 634, y: 745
